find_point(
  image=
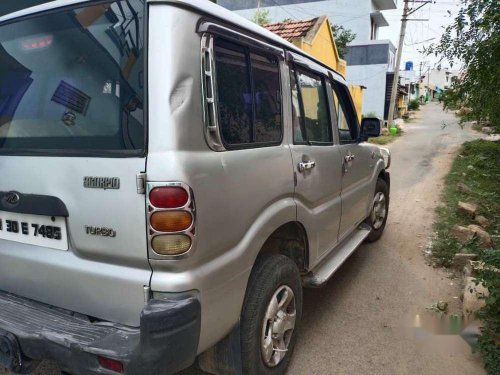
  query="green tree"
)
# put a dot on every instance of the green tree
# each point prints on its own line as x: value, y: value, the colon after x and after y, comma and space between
x: 342, y: 38
x: 473, y: 39
x: 261, y: 17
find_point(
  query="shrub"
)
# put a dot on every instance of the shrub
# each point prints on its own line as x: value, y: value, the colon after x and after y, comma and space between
x: 413, y: 105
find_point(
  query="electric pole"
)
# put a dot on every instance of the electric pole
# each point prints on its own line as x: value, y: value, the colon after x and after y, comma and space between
x: 392, y: 103
x: 406, y: 12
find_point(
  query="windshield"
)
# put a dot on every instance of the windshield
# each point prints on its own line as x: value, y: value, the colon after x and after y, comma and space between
x: 73, y: 80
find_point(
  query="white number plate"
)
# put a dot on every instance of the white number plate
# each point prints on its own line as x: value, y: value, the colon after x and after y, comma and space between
x: 36, y: 230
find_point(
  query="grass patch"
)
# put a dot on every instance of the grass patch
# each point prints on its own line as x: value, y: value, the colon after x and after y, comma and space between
x: 478, y: 166
x: 385, y: 139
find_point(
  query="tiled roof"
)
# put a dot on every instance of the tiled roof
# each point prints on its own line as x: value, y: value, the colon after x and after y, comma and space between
x: 291, y: 30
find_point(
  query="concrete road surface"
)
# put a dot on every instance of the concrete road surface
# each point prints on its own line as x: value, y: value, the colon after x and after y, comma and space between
x: 366, y: 319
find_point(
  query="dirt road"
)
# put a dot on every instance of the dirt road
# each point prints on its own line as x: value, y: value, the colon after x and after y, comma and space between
x: 363, y: 321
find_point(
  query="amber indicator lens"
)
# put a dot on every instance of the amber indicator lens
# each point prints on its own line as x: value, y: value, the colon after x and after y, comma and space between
x: 168, y: 197
x: 171, y: 221
x: 171, y: 244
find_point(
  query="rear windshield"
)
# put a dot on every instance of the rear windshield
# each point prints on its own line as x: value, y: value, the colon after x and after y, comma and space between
x: 73, y: 81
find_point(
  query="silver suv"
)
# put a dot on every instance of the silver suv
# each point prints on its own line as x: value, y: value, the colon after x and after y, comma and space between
x: 172, y: 175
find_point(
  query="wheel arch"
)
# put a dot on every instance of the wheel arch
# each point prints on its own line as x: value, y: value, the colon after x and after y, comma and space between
x: 384, y: 175
x: 290, y: 239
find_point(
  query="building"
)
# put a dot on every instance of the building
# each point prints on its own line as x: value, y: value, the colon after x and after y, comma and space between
x: 363, y: 17
x: 438, y: 80
x: 315, y: 37
x: 410, y: 79
x: 370, y: 62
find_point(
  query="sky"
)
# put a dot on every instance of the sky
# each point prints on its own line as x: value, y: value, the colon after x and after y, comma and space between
x: 419, y: 32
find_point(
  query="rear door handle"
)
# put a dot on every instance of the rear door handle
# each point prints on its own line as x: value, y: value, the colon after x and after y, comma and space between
x: 306, y: 165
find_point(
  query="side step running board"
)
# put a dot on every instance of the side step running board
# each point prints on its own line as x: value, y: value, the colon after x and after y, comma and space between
x: 323, y: 271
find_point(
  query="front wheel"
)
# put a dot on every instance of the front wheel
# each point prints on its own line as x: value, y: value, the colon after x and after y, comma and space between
x: 271, y: 312
x: 379, y: 211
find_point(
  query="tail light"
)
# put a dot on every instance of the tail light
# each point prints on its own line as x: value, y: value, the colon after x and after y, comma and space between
x: 171, y: 219
x: 168, y: 197
x: 171, y: 244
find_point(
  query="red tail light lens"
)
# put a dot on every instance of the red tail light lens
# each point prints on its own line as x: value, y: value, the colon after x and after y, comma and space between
x: 110, y: 364
x: 168, y: 197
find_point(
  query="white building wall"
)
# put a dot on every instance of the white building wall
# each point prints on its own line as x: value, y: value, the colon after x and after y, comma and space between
x: 373, y: 77
x: 351, y: 14
x: 438, y: 77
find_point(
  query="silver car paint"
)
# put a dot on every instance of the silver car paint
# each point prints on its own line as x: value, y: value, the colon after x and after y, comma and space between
x: 241, y: 196
x: 98, y: 276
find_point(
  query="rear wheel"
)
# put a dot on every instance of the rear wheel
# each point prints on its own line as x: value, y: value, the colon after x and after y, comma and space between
x: 271, y: 312
x: 379, y: 211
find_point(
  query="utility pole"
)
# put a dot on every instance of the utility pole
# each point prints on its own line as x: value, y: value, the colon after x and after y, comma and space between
x: 406, y: 12
x: 392, y: 103
x: 428, y: 78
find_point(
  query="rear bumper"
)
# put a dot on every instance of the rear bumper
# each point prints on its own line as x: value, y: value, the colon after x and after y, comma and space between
x: 165, y: 342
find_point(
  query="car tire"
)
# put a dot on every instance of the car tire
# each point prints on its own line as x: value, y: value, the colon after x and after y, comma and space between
x: 380, y: 204
x: 274, y: 281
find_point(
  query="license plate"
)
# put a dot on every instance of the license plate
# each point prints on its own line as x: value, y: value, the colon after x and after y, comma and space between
x: 45, y: 231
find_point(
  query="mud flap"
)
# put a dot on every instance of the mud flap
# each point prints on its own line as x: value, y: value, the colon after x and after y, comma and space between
x: 11, y: 356
x: 225, y: 357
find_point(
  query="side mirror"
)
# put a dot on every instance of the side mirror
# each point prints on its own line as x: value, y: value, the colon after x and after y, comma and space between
x: 370, y: 127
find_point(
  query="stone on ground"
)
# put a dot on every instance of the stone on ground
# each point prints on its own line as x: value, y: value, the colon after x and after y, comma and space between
x: 492, y: 138
x: 468, y: 209
x: 462, y: 234
x: 472, y: 293
x: 483, y: 236
x: 460, y: 260
x: 482, y: 221
x: 463, y: 188
x: 488, y: 130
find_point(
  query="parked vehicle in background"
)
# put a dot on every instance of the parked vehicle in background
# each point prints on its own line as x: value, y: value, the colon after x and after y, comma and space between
x: 172, y: 176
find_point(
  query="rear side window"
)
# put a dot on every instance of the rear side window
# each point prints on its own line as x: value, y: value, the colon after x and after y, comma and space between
x: 249, y: 96
x: 311, y: 123
x: 73, y: 81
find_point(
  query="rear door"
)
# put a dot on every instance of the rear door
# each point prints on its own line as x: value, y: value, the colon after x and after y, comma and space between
x: 357, y: 162
x: 316, y: 160
x: 72, y: 141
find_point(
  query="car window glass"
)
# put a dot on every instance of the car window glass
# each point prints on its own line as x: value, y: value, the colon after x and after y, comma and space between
x: 316, y: 126
x: 249, y: 96
x: 345, y: 133
x: 73, y: 80
x: 234, y: 93
x: 267, y: 98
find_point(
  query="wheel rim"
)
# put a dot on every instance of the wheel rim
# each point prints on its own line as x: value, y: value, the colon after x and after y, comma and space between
x: 278, y: 326
x: 379, y: 210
